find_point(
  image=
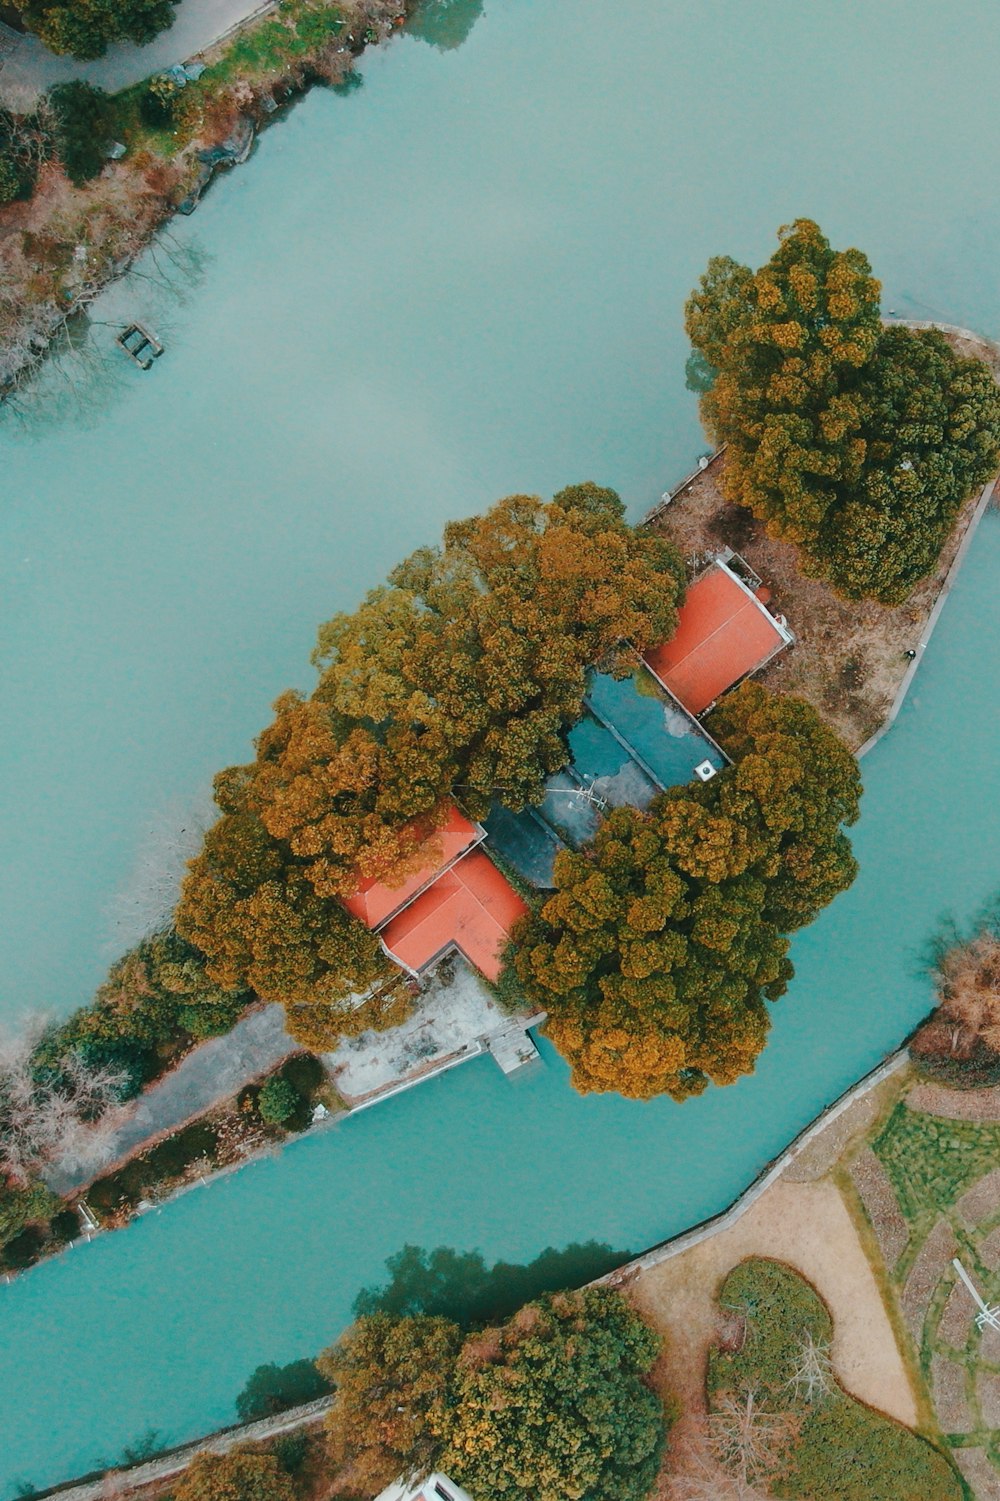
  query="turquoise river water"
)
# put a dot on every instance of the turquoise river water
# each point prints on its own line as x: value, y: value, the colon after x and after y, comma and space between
x: 462, y: 280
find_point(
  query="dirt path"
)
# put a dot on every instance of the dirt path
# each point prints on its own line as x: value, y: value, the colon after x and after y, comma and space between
x: 807, y: 1225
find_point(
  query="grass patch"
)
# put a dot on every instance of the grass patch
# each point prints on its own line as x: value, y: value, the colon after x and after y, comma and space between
x: 825, y: 1443
x: 298, y: 31
x: 930, y: 1161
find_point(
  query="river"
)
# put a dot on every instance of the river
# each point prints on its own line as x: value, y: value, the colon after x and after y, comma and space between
x: 462, y: 280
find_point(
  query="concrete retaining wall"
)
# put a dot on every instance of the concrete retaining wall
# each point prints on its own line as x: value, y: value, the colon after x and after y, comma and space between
x: 720, y: 1222
x: 164, y: 1466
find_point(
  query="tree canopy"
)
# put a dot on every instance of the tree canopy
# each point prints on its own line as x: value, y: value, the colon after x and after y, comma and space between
x: 84, y: 28
x: 553, y: 1404
x: 83, y: 121
x: 664, y: 939
x: 856, y: 442
x: 459, y: 677
x: 240, y: 1475
x: 391, y: 1376
x: 549, y: 1405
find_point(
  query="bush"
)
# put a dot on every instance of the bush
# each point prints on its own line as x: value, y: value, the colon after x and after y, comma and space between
x: 159, y: 100
x: 65, y: 1226
x: 278, y: 1101
x: 84, y: 127
x: 305, y: 1073
x: 23, y: 1249
x: 290, y: 1451
x: 170, y: 1158
x: 829, y: 1444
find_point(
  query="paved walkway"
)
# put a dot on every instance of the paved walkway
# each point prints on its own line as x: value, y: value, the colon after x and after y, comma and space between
x: 215, y: 1071
x: 28, y: 68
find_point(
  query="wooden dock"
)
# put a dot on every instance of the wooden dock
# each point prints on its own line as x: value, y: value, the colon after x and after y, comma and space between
x: 140, y: 345
x: 512, y: 1047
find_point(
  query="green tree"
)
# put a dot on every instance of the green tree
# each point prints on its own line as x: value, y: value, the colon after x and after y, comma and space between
x: 84, y: 28
x: 932, y: 428
x: 240, y: 1475
x: 663, y: 941
x: 30, y: 1204
x: 155, y: 997
x: 856, y: 442
x: 278, y: 1101
x: 554, y: 1404
x: 391, y: 1378
x: 84, y: 122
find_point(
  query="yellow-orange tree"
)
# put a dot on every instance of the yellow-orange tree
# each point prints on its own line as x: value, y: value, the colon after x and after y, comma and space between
x: 460, y: 677
x: 855, y: 442
x: 665, y: 939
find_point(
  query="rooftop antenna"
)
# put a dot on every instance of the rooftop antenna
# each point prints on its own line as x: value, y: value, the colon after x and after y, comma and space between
x: 986, y: 1316
x: 588, y: 794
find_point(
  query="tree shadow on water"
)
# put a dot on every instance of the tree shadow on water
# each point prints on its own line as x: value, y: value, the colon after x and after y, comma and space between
x: 459, y: 1285
x: 444, y: 24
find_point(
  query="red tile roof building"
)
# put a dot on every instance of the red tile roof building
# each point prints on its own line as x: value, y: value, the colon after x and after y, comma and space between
x: 470, y: 907
x: 724, y: 632
x: 458, y: 900
x: 374, y: 902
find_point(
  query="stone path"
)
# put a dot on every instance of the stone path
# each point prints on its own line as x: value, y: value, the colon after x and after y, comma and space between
x: 213, y: 1072
x: 28, y: 68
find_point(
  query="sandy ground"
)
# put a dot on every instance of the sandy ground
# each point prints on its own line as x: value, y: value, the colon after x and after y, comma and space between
x: 808, y: 1226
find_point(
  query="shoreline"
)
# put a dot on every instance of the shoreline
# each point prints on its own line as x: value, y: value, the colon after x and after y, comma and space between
x: 148, y: 212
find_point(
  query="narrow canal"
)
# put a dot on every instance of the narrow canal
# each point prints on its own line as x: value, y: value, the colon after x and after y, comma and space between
x: 464, y: 279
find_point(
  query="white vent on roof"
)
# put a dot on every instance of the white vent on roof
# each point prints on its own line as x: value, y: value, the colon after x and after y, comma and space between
x: 705, y: 770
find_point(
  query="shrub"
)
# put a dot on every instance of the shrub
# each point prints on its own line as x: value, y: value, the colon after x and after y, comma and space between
x: 170, y: 1158
x: 84, y: 125
x: 290, y: 1451
x: 278, y: 1101
x: 807, y: 1440
x: 159, y: 100
x: 24, y: 1248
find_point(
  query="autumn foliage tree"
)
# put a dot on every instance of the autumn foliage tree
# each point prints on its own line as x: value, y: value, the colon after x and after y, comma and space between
x: 240, y: 1475
x: 391, y: 1376
x: 552, y: 1403
x: 962, y: 1038
x: 461, y: 676
x: 664, y: 940
x: 856, y: 442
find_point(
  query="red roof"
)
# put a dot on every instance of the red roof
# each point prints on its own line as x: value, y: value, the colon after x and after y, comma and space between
x: 375, y: 902
x: 724, y: 632
x: 471, y: 907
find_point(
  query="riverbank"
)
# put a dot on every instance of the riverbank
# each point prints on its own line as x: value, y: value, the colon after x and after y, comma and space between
x: 61, y: 248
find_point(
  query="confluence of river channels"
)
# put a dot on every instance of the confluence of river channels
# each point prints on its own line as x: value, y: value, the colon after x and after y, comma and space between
x: 462, y: 280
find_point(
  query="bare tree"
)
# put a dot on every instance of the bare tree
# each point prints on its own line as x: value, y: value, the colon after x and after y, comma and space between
x: 745, y: 1439
x: 812, y: 1378
x: 695, y: 1472
x: 64, y: 1116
